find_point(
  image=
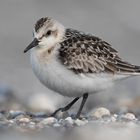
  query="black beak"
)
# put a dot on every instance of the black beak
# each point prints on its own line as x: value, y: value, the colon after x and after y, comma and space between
x: 33, y: 44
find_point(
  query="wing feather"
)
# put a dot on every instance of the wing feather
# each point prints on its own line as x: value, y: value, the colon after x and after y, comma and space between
x: 85, y: 53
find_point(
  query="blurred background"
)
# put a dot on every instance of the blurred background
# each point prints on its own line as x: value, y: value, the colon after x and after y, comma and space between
x: 114, y: 21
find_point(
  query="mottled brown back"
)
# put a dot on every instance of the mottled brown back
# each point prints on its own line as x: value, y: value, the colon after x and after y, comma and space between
x: 85, y: 53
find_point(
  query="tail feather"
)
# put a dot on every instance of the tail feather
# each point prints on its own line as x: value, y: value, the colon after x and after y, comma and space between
x: 129, y: 68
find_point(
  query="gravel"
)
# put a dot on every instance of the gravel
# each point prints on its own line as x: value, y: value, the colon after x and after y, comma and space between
x: 100, y: 112
x: 103, y: 126
x: 21, y: 119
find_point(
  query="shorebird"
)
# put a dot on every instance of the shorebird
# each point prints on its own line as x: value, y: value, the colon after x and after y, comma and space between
x: 74, y: 63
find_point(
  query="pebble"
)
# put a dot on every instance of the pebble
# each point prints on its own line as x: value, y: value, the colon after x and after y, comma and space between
x: 24, y: 120
x: 56, y: 125
x: 100, y: 112
x: 20, y: 117
x: 79, y: 122
x: 115, y: 115
x: 32, y: 125
x: 113, y: 119
x: 38, y: 120
x: 129, y: 116
x: 49, y: 121
x: 68, y: 122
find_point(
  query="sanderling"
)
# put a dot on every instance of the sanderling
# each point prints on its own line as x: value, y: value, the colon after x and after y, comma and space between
x: 73, y: 63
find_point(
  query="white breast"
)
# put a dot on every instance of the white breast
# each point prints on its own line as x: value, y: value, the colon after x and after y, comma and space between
x: 57, y: 77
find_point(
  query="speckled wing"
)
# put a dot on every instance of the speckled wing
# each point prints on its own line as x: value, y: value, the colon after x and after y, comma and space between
x: 85, y: 53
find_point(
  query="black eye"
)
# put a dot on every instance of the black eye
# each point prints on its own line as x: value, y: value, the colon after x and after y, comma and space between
x: 49, y: 33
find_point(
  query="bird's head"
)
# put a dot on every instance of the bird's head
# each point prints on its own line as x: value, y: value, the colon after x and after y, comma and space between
x: 47, y: 33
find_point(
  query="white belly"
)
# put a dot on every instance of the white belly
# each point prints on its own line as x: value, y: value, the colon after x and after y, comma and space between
x: 57, y: 77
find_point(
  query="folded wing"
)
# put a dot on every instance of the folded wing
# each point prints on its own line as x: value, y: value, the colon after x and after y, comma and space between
x: 85, y: 53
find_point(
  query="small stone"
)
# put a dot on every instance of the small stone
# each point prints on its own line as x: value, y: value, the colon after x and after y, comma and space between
x: 113, y: 119
x: 24, y: 120
x: 68, y: 122
x: 100, y: 112
x: 32, y: 125
x: 49, y: 121
x: 115, y: 115
x: 11, y: 121
x: 79, y: 122
x: 56, y: 125
x: 20, y: 117
x: 129, y: 116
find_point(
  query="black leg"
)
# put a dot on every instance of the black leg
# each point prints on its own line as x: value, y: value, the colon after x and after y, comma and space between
x: 66, y: 107
x: 85, y: 96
